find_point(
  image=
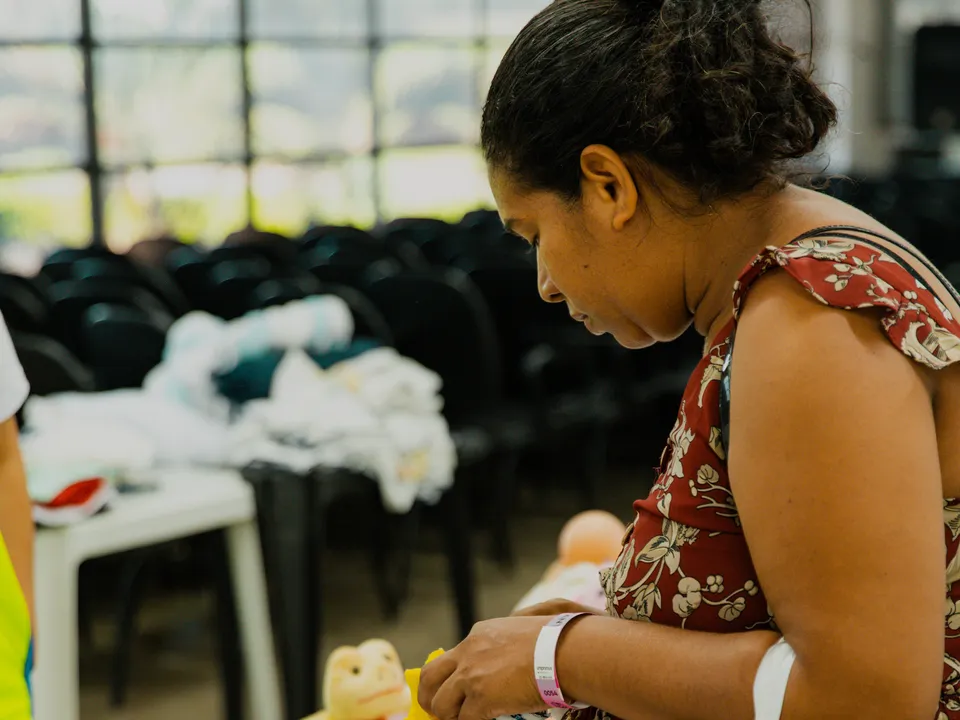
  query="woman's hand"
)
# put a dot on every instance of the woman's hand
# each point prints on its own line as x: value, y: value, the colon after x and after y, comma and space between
x: 557, y: 606
x: 487, y: 675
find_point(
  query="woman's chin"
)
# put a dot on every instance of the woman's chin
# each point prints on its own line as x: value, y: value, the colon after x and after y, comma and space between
x: 636, y: 339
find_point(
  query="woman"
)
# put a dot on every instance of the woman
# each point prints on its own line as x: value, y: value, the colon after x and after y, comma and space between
x: 797, y: 557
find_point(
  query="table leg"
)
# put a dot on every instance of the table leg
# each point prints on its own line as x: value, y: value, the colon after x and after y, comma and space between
x: 56, y: 682
x: 250, y: 587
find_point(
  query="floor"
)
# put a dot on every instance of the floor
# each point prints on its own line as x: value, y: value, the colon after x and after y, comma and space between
x: 173, y: 670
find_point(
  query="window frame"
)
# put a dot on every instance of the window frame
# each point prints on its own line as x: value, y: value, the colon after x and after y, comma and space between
x: 373, y: 43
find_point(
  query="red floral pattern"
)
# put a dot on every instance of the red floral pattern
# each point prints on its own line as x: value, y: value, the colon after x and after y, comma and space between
x: 686, y: 563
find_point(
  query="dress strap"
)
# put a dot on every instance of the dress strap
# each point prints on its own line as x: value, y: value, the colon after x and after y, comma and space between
x: 846, y: 233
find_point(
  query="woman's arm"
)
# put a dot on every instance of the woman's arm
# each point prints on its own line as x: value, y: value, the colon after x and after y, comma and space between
x: 16, y: 517
x: 835, y: 471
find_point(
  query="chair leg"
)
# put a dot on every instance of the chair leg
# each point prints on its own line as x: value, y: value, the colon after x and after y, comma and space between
x: 408, y: 534
x: 504, y: 489
x: 457, y: 529
x: 393, y: 545
x: 130, y: 594
x: 85, y: 610
x: 379, y: 548
x: 228, y: 628
x: 283, y: 508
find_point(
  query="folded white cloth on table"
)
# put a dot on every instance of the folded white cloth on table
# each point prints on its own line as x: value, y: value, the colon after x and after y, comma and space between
x: 72, y: 436
x: 388, y: 381
x: 378, y: 413
x: 313, y: 417
x: 200, y: 346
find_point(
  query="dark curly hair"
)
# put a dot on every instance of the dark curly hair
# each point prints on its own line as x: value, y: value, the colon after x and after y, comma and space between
x: 700, y: 89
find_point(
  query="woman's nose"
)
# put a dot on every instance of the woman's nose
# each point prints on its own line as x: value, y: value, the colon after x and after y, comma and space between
x: 548, y: 291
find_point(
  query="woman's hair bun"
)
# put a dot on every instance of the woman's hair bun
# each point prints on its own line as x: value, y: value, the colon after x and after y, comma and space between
x: 700, y: 88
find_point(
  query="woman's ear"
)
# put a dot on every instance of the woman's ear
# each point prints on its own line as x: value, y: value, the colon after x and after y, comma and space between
x: 607, y: 182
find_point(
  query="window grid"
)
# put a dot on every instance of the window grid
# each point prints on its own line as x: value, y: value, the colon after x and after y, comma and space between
x: 374, y: 43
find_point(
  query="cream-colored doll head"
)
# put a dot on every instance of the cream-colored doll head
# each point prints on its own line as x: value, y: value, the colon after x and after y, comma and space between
x: 365, y: 683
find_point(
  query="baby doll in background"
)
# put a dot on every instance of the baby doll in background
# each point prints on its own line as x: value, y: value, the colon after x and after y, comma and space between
x: 590, y: 542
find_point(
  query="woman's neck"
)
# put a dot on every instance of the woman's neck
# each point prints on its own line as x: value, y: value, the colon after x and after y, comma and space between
x: 723, y: 246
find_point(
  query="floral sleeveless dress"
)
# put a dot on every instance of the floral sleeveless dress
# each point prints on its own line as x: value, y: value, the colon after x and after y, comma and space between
x: 685, y: 563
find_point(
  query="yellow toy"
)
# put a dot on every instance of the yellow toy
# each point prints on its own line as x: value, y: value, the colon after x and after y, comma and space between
x: 418, y: 713
x: 413, y: 683
x: 364, y: 683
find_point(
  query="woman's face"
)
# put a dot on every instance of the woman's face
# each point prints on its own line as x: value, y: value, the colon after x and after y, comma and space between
x: 603, y: 256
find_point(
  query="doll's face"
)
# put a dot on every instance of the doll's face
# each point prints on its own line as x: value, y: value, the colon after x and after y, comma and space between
x: 365, y: 682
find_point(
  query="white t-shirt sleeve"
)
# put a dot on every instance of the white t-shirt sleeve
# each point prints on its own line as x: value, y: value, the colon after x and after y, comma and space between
x: 14, y: 387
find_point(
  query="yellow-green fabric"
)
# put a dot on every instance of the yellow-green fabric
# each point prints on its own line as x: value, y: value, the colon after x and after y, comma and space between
x: 16, y: 650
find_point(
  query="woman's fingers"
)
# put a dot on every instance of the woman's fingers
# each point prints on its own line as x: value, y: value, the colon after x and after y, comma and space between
x: 471, y: 710
x: 448, y: 700
x: 433, y: 676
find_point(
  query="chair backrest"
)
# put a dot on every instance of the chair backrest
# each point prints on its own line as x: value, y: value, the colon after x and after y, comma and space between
x: 233, y: 283
x: 487, y: 221
x: 122, y: 344
x: 51, y: 368
x: 436, y: 241
x: 70, y: 300
x: 522, y: 319
x: 336, y: 235
x: 278, y: 291
x: 22, y: 306
x: 120, y: 268
x: 279, y: 250
x: 368, y: 321
x: 59, y: 264
x: 440, y: 319
x: 346, y: 266
x: 190, y: 270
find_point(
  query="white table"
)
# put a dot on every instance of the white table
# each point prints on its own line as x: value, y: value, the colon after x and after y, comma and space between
x: 187, y: 502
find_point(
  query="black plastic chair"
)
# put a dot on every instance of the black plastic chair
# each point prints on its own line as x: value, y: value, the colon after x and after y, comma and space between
x: 279, y: 291
x: 50, y: 367
x: 486, y: 221
x: 551, y: 365
x: 190, y: 270
x: 59, y: 264
x: 330, y: 241
x: 232, y: 284
x: 347, y: 265
x: 336, y: 234
x: 437, y: 241
x: 70, y: 300
x: 122, y: 344
x: 120, y: 269
x: 23, y: 306
x: 440, y: 319
x: 278, y: 250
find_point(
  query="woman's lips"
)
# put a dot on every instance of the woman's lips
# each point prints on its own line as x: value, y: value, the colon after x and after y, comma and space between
x: 592, y: 331
x: 579, y: 317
